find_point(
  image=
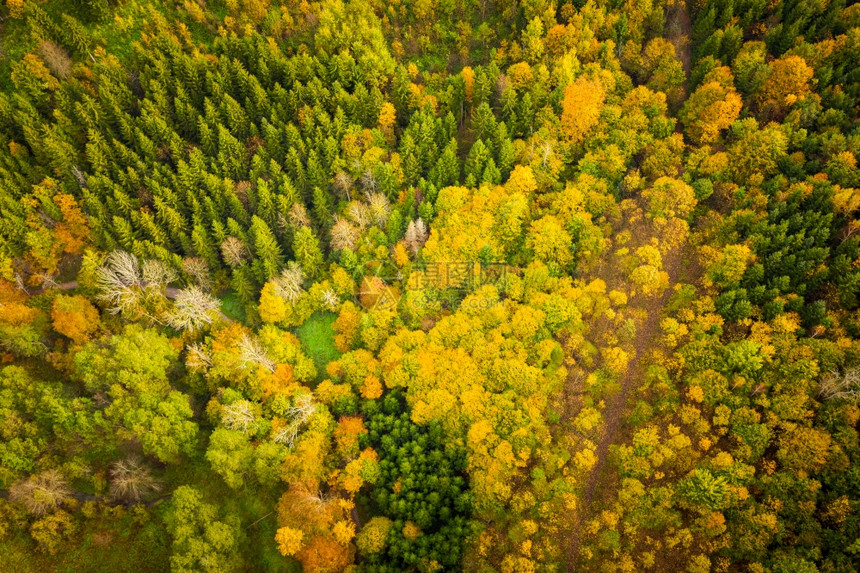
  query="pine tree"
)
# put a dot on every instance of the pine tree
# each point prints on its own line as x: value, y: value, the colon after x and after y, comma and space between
x: 203, y: 245
x: 484, y: 125
x: 266, y: 249
x: 476, y: 163
x: 506, y: 155
x: 447, y: 169
x: 306, y: 249
x: 75, y: 35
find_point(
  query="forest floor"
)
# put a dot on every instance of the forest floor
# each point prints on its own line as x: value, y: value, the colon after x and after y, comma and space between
x: 679, y: 28
x: 646, y: 312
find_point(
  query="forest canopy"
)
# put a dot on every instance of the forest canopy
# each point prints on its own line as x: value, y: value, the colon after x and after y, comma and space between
x: 488, y: 286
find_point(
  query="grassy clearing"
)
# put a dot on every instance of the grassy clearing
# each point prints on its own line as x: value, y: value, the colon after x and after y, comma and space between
x: 317, y: 337
x: 232, y: 307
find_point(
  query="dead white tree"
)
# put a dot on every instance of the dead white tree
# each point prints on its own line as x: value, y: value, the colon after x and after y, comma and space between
x: 125, y: 284
x: 132, y: 481
x: 290, y: 282
x: 841, y: 386
x: 344, y: 235
x: 41, y: 493
x: 416, y: 235
x: 193, y: 309
x: 19, y: 283
x: 330, y: 299
x: 79, y: 177
x: 119, y: 281
x: 239, y: 416
x: 252, y: 352
x: 298, y: 414
x: 368, y: 181
x: 47, y: 281
x: 547, y: 152
x: 234, y: 251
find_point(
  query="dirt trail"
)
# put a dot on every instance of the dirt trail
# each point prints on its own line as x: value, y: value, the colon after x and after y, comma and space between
x: 678, y: 30
x: 647, y: 331
x: 679, y: 27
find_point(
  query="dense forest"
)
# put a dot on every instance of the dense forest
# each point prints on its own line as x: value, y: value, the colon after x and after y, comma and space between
x: 489, y: 286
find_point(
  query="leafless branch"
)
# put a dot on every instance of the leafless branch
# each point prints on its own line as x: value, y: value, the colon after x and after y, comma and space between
x: 253, y: 353
x: 239, y: 416
x: 41, y: 493
x: 841, y: 386
x: 193, y: 309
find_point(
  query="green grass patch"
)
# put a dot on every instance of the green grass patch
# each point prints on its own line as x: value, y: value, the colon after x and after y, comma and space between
x: 232, y: 306
x: 317, y: 337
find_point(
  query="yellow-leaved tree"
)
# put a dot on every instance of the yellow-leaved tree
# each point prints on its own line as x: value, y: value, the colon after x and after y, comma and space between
x: 583, y: 100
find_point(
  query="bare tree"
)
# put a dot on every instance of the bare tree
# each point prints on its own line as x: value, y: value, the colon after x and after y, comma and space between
x: 193, y: 309
x: 416, y: 235
x: 198, y: 357
x: 41, y: 493
x: 156, y: 274
x: 344, y: 235
x: 298, y: 414
x: 380, y: 208
x: 290, y: 282
x: 299, y: 215
x: 197, y: 269
x: 55, y: 58
x: 343, y: 184
x: 253, y: 353
x: 841, y: 386
x: 241, y: 189
x: 234, y: 251
x: 503, y: 82
x: 239, y: 416
x: 359, y: 213
x: 132, y: 481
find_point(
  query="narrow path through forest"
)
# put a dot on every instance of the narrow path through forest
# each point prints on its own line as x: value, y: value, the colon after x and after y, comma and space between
x: 678, y: 30
x: 647, y: 331
x: 679, y: 27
